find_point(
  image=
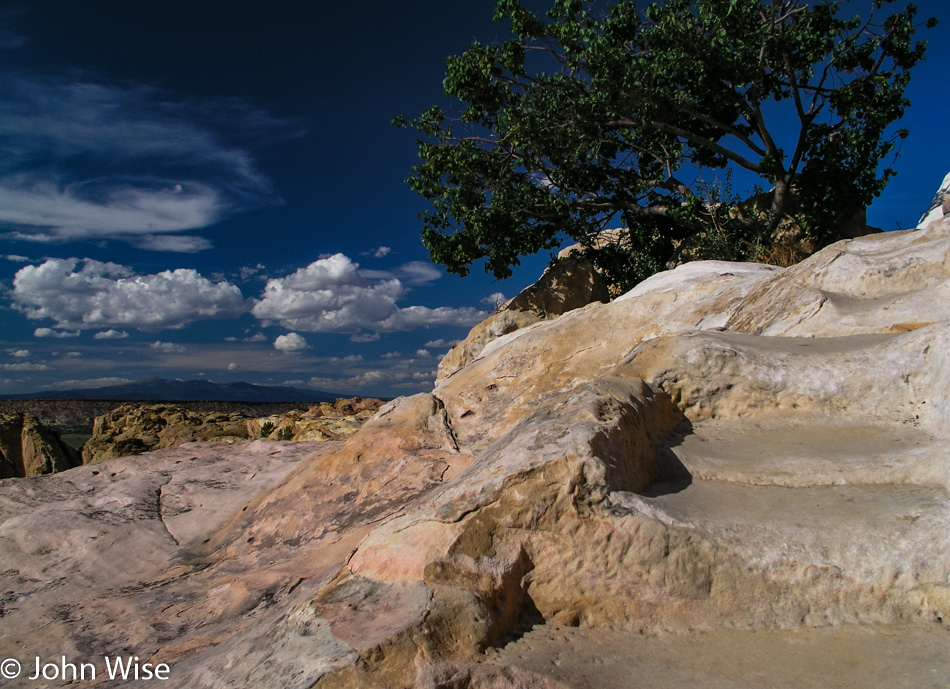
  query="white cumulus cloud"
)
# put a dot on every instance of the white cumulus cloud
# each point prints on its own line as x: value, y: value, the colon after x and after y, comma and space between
x: 494, y: 300
x: 88, y: 294
x: 333, y: 295
x: 291, y: 342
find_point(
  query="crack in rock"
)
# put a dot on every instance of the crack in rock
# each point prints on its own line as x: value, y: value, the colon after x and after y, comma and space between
x: 161, y: 516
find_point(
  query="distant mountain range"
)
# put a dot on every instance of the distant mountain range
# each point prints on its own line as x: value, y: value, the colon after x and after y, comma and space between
x: 159, y: 389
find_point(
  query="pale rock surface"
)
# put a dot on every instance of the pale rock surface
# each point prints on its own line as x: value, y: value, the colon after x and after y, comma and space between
x: 712, y: 481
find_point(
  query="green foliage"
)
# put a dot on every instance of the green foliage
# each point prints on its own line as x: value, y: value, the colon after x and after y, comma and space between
x: 590, y: 117
x: 266, y: 429
x: 286, y: 433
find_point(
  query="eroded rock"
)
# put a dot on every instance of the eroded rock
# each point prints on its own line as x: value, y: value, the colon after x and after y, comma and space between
x: 27, y: 448
x: 713, y: 451
x: 569, y: 284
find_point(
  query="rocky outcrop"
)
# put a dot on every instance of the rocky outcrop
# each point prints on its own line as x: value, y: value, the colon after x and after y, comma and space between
x: 939, y: 207
x: 325, y: 421
x: 568, y: 284
x: 135, y: 428
x: 729, y: 459
x: 27, y: 448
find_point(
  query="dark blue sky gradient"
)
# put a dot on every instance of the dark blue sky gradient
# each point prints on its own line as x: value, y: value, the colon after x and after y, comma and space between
x: 273, y: 121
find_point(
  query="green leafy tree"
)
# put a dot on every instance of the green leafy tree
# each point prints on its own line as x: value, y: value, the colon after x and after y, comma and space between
x: 602, y: 113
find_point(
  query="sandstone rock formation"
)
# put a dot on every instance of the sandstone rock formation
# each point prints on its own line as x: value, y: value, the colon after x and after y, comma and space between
x: 27, y: 448
x: 326, y: 421
x: 729, y: 460
x: 134, y: 428
x: 567, y: 285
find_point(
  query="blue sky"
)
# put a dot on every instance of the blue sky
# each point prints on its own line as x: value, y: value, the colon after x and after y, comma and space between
x: 214, y: 190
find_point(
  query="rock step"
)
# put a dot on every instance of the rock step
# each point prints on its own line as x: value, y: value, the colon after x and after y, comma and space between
x: 858, y: 499
x: 813, y: 455
x: 847, y: 657
x: 869, y: 534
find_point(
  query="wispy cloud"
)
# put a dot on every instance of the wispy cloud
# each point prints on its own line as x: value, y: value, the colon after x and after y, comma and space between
x: 111, y: 335
x: 168, y: 347
x: 412, y: 273
x: 442, y: 344
x: 413, y: 317
x: 400, y: 377
x: 333, y: 295
x: 90, y: 294
x: 256, y: 337
x: 10, y: 40
x: 50, y: 332
x: 86, y: 383
x: 24, y: 367
x: 378, y: 252
x: 182, y: 244
x: 247, y: 272
x: 84, y: 159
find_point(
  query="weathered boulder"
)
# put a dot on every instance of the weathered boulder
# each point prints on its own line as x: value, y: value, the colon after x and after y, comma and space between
x: 569, y: 284
x: 27, y: 448
x: 729, y: 454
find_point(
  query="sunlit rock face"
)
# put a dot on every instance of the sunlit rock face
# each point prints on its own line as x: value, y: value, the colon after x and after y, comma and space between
x: 567, y: 285
x: 939, y: 207
x: 728, y: 449
x: 28, y: 448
